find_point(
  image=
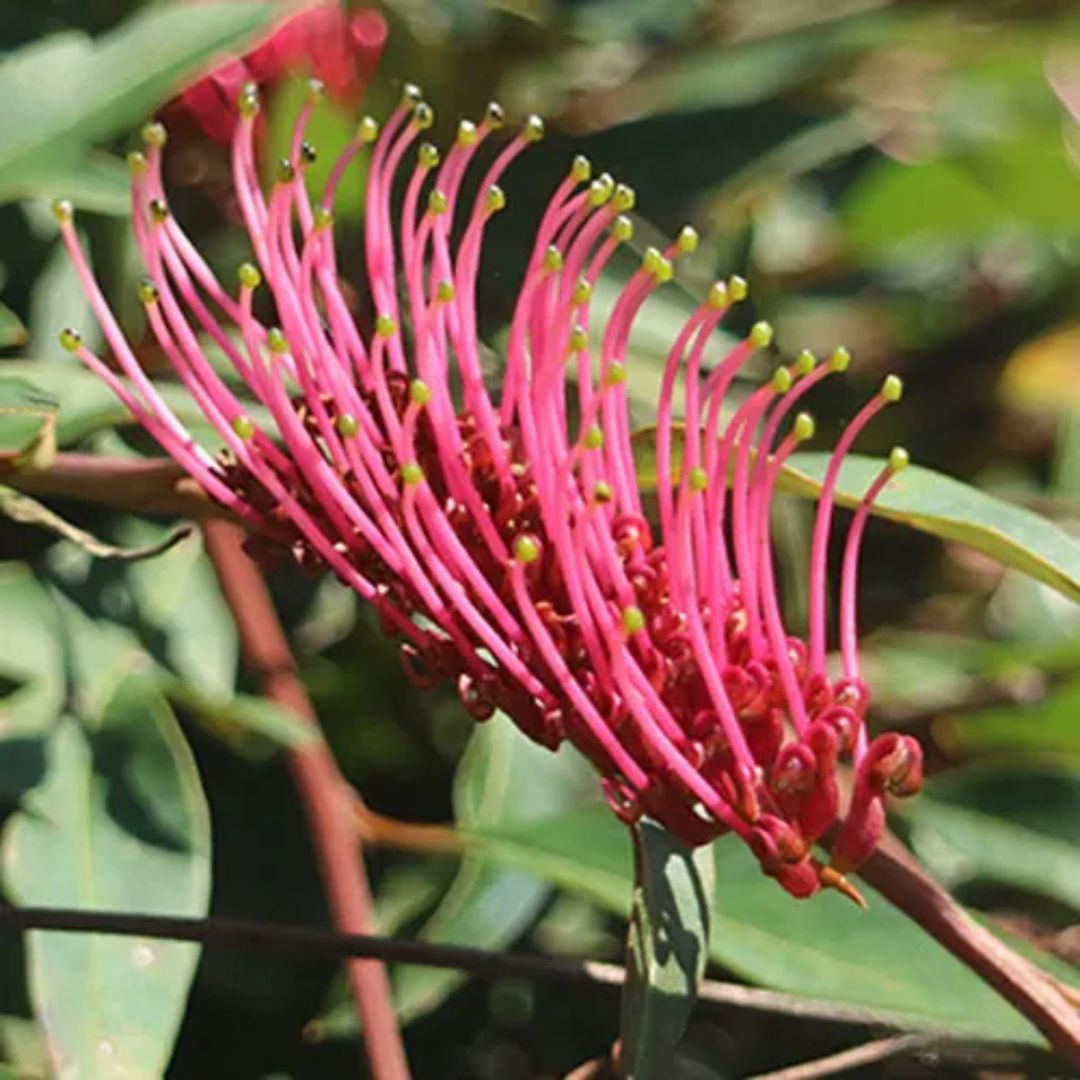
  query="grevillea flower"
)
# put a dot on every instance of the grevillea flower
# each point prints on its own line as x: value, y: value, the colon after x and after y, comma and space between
x: 502, y: 534
x: 321, y: 39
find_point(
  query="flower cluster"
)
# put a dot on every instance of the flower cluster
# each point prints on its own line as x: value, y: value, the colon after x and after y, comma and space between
x: 502, y: 535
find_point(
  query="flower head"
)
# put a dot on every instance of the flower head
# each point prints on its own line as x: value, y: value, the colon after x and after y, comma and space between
x: 502, y: 534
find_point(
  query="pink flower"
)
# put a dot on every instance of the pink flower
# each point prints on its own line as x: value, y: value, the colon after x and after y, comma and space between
x: 503, y: 536
x: 340, y: 49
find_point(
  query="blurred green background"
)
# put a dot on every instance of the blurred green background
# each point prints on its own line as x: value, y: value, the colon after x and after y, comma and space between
x: 900, y: 178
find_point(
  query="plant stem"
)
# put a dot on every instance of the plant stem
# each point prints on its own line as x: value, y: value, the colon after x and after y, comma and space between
x: 326, y: 796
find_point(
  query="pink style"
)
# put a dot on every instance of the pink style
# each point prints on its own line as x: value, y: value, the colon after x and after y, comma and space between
x: 502, y: 535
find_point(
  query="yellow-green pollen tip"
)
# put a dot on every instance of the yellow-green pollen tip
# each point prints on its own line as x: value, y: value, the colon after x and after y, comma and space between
x: 804, y: 427
x: 737, y: 287
x: 688, y: 240
x: 892, y: 389
x: 899, y: 459
x: 805, y: 362
x: 616, y: 373
x: 438, y: 202
x: 243, y: 427
x: 594, y: 438
x: 247, y: 102
x: 347, y: 425
x: 419, y: 392
x: 315, y: 91
x: 495, y: 200
x: 494, y: 117
x: 623, y: 198
x: 159, y: 211
x: 70, y: 340
x: 248, y: 275
x: 781, y: 380
x: 285, y: 171
x: 622, y: 228
x: 534, y: 129
x: 600, y: 190
x: 367, y: 131
x: 467, y: 133
x: 385, y: 326
x: 633, y: 619
x: 322, y: 217
x: 155, y: 135
x: 445, y: 292
x: 839, y: 360
x: 411, y: 95
x: 308, y: 154
x: 553, y: 259
x: 582, y: 293
x: 718, y: 295
x: 411, y: 474
x: 602, y: 492
x: 423, y: 116
x: 526, y: 550
x: 137, y: 163
x: 62, y: 210
x: 276, y: 341
x: 698, y: 479
x: 579, y: 340
x: 148, y: 292
x: 580, y: 169
x: 427, y: 155
x: 761, y: 334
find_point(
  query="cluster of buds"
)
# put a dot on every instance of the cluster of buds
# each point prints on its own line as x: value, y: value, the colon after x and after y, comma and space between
x: 502, y: 534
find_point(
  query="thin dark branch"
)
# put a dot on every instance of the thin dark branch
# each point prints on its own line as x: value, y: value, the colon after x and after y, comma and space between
x: 868, y: 1054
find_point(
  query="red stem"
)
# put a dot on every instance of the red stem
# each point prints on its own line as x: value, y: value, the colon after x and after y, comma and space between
x: 326, y: 797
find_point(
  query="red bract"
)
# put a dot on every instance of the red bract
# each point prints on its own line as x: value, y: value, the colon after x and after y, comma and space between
x: 502, y: 535
x: 323, y: 40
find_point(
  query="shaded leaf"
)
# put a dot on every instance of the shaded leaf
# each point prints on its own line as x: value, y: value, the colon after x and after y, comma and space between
x: 120, y: 823
x: 27, y: 422
x: 12, y: 331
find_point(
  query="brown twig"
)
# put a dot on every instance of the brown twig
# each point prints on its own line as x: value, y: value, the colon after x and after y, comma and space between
x: 858, y: 1056
x: 904, y: 883
x: 324, y: 792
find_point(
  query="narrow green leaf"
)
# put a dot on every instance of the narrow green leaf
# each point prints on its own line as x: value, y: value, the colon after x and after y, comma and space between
x: 667, y: 944
x: 12, y: 331
x: 27, y: 422
x: 67, y: 92
x: 119, y: 823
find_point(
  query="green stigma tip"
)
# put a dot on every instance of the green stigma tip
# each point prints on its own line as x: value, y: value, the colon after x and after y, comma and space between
x: 148, y: 292
x: 385, y: 326
x: 285, y: 171
x: 137, y: 163
x: 315, y: 91
x: 322, y: 217
x: 804, y: 427
x: 308, y: 154
x: 243, y: 427
x: 367, y: 131
x: 892, y: 389
x: 622, y: 228
x: 467, y: 133
x: 276, y: 341
x: 62, y: 210
x: 600, y: 190
x: 347, y: 425
x: 248, y: 275
x: 411, y: 474
x: 580, y: 169
x: 526, y: 549
x: 247, y: 102
x: 839, y: 360
x: 594, y: 438
x: 579, y: 340
x: 423, y: 116
x: 495, y: 200
x: 438, y: 202
x: 427, y: 155
x: 899, y: 459
x: 159, y: 210
x: 616, y: 373
x: 533, y: 130
x: 419, y: 392
x: 633, y: 620
x: 553, y: 259
x: 155, y: 135
x: 494, y: 116
x: 761, y: 334
x: 623, y: 198
x: 602, y: 492
x: 698, y: 479
x: 718, y: 295
x: 805, y: 362
x: 688, y: 240
x: 737, y: 287
x: 582, y: 293
x: 445, y: 292
x: 70, y: 340
x: 781, y: 380
x: 411, y: 95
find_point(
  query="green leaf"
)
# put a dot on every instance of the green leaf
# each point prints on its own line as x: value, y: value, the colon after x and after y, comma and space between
x: 67, y: 93
x: 823, y: 948
x: 120, y: 823
x: 666, y: 947
x: 1010, y: 824
x: 12, y: 331
x: 926, y: 500
x: 1049, y: 726
x: 27, y: 422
